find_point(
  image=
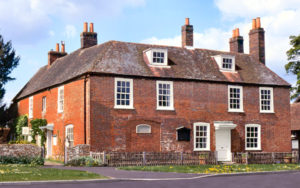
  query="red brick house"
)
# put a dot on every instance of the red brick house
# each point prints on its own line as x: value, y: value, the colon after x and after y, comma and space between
x: 121, y: 96
x: 295, y: 123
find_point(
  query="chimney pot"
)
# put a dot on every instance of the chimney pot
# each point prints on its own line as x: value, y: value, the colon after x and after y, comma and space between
x: 253, y: 24
x: 233, y: 33
x: 62, y: 46
x: 237, y: 32
x: 258, y: 22
x: 91, y: 27
x: 187, y: 21
x: 57, y: 47
x: 85, y: 27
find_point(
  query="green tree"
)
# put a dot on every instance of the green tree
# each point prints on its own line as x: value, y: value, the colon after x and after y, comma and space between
x: 8, y: 61
x: 293, y: 66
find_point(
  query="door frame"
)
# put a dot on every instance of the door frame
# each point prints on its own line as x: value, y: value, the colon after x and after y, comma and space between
x: 49, y: 143
x: 227, y: 126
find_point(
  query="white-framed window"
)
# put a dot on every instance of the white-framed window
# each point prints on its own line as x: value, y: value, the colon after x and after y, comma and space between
x: 143, y: 128
x: 252, y: 137
x: 30, y: 111
x: 266, y: 100
x: 70, y: 135
x: 123, y: 93
x: 60, y: 99
x: 226, y: 62
x: 44, y: 104
x: 164, y: 93
x: 157, y: 56
x: 235, y: 99
x: 201, y: 136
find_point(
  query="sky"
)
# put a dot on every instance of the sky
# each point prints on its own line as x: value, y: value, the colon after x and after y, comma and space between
x: 35, y: 26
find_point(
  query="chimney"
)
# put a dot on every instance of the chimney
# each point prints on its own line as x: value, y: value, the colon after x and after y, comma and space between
x: 257, y: 41
x: 187, y: 34
x: 53, y: 55
x: 88, y: 38
x: 236, y: 43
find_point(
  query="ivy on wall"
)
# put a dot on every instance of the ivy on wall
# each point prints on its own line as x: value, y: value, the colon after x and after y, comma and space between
x: 21, y: 121
x: 35, y: 130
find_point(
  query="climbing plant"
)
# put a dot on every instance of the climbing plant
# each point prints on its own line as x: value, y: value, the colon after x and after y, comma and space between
x: 21, y: 121
x: 35, y: 130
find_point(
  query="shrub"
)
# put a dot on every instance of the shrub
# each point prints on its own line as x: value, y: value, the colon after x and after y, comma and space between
x: 35, y: 126
x: 84, y: 161
x: 21, y: 121
x: 19, y: 142
x: 21, y: 160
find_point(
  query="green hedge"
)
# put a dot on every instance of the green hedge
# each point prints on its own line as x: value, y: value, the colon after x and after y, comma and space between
x: 22, y: 160
x: 84, y: 161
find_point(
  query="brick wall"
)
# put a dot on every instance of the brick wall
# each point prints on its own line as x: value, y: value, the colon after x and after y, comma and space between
x: 114, y: 129
x: 295, y: 116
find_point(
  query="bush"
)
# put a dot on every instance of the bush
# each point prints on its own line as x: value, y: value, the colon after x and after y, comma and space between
x: 19, y: 142
x: 84, y: 161
x: 21, y: 121
x: 21, y: 160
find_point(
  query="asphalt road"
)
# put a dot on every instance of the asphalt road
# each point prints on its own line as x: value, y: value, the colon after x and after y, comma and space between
x: 281, y: 180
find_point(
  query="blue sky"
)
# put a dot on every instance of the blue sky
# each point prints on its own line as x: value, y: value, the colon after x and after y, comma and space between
x: 34, y: 26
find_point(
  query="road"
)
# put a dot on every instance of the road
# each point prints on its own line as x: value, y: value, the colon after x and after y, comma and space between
x: 281, y: 180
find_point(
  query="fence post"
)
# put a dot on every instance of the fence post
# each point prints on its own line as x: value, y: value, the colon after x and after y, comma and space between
x: 246, y: 157
x: 181, y: 158
x: 273, y: 157
x: 144, y: 158
x: 104, y: 157
x: 66, y: 155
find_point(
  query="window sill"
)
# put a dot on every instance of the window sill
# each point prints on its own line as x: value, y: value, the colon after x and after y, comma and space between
x: 124, y: 108
x: 254, y: 149
x: 267, y: 112
x: 201, y: 149
x: 165, y: 109
x: 160, y: 66
x: 237, y: 111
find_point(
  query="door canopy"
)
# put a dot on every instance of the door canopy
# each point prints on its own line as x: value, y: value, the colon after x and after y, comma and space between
x: 224, y: 125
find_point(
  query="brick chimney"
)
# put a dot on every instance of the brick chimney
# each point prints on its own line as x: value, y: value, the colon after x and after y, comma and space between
x: 88, y: 38
x: 236, y: 43
x: 53, y: 55
x: 257, y: 41
x: 187, y: 34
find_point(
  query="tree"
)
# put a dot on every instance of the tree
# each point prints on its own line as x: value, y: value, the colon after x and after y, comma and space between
x: 293, y: 66
x: 8, y: 61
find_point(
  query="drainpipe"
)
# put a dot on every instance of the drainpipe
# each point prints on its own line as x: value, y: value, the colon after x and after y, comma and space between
x: 84, y: 104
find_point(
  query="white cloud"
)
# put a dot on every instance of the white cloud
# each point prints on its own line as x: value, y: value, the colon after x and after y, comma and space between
x: 279, y: 18
x: 70, y: 31
x: 28, y: 21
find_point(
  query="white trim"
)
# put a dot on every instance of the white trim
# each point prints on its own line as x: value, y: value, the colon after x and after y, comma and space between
x: 45, y: 106
x: 130, y: 106
x: 271, y: 100
x: 219, y: 60
x: 241, y: 109
x: 66, y: 131
x: 145, y: 125
x: 30, y: 107
x: 207, y: 138
x: 149, y: 52
x: 258, y: 137
x: 224, y: 125
x: 171, y: 107
x: 59, y: 108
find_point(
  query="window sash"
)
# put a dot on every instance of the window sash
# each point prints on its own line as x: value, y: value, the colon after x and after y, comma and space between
x: 158, y: 57
x: 123, y: 93
x: 70, y: 135
x: 266, y: 99
x: 60, y: 99
x: 164, y: 95
x: 227, y: 63
x: 201, y: 136
x: 252, y: 137
x: 30, y: 112
x: 44, y: 104
x: 235, y: 98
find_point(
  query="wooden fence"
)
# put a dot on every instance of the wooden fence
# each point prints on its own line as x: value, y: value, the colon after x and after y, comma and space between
x: 196, y: 158
x: 154, y: 158
x: 265, y: 157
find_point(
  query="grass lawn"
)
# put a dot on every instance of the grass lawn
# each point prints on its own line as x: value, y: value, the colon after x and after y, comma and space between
x: 15, y: 172
x: 216, y: 168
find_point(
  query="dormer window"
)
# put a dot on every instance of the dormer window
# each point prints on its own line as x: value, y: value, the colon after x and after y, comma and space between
x: 157, y: 57
x: 226, y: 63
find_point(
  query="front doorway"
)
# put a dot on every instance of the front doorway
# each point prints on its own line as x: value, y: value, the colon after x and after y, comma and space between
x: 223, y: 139
x: 49, y: 144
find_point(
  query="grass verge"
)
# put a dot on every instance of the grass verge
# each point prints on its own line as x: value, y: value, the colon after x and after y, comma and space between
x: 15, y: 172
x: 216, y: 169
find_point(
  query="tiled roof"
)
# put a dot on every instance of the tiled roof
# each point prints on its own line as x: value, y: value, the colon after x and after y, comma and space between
x: 124, y: 58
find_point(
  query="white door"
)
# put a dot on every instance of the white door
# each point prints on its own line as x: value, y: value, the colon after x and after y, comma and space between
x: 49, y: 144
x: 223, y: 144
